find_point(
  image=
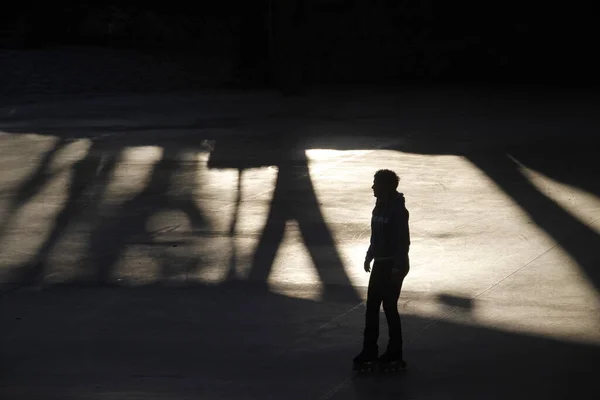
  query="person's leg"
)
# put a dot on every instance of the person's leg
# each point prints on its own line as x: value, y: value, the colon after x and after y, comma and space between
x: 390, y: 307
x: 390, y: 296
x: 374, y: 299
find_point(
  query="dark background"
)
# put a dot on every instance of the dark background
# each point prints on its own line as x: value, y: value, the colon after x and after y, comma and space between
x: 239, y: 339
x: 292, y: 43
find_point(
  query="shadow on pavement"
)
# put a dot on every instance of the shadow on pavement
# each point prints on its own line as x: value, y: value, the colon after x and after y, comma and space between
x: 237, y: 339
x: 562, y: 154
x: 27, y: 189
x: 231, y: 341
x: 451, y: 301
x: 90, y: 176
x: 294, y: 199
x: 129, y: 224
x: 567, y: 162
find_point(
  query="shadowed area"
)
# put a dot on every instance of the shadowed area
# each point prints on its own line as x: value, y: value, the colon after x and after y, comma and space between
x: 464, y: 304
x: 222, y: 257
x: 89, y: 177
x: 568, y: 163
x: 293, y: 199
x: 181, y: 343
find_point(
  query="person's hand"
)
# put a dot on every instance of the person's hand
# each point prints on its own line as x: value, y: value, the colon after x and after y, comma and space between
x: 367, y: 265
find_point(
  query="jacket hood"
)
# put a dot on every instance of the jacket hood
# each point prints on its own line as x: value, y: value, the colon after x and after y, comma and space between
x: 398, y: 200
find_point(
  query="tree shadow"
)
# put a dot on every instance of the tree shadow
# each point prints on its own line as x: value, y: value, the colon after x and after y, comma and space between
x: 573, y: 162
x: 39, y: 178
x: 128, y: 225
x: 90, y: 176
x: 567, y: 162
x: 233, y: 258
x: 503, y: 146
x: 31, y: 186
x: 112, y: 233
x: 294, y: 199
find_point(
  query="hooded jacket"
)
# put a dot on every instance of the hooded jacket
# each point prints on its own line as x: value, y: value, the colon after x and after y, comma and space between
x: 390, y: 236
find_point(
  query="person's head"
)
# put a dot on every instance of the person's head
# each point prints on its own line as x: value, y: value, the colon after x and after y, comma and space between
x: 385, y: 183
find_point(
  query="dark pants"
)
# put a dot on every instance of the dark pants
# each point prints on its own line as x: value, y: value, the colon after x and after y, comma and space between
x: 383, y: 288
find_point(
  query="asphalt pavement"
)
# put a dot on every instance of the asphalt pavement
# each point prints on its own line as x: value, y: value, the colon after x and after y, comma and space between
x: 210, y: 245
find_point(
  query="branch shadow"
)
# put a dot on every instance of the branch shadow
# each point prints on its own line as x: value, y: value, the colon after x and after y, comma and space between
x: 31, y: 186
x: 233, y: 258
x: 128, y: 224
x: 565, y: 161
x: 90, y: 176
x: 111, y: 234
x: 501, y: 144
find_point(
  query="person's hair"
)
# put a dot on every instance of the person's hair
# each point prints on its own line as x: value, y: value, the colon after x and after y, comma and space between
x: 388, y: 178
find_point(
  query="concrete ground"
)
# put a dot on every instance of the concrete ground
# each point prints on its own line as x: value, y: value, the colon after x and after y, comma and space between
x: 210, y: 245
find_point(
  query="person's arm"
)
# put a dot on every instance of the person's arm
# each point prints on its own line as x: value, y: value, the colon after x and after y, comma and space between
x: 369, y: 256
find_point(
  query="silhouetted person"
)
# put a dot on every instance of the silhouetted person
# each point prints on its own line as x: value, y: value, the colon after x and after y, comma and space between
x: 390, y: 241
